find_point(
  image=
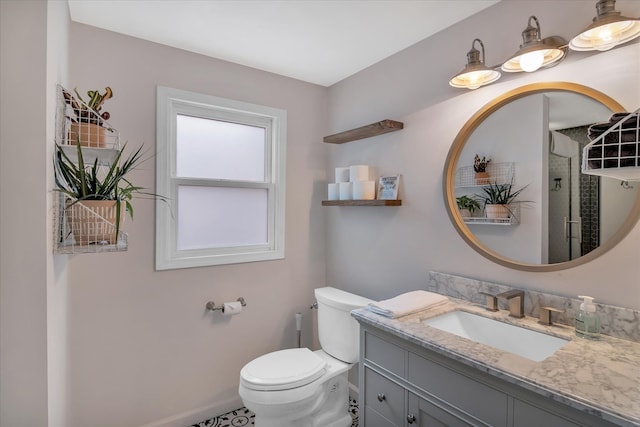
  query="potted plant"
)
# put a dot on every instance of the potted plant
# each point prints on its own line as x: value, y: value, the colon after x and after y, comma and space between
x: 88, y: 123
x: 497, y: 198
x: 96, y: 195
x: 480, y: 169
x: 467, y: 205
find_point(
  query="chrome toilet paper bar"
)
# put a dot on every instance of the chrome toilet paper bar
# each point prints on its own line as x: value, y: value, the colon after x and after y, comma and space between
x: 212, y: 305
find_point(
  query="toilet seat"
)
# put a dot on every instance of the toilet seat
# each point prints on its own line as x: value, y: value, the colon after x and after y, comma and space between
x: 283, y: 370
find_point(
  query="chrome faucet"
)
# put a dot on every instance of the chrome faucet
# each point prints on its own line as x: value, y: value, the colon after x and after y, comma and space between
x: 515, y: 297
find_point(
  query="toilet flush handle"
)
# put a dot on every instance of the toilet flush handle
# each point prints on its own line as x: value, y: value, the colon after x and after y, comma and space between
x: 314, y: 306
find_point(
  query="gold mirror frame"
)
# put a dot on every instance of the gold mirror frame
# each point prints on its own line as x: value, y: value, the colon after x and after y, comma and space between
x: 459, y: 143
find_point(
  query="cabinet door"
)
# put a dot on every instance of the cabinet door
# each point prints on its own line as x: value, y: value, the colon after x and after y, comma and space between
x: 424, y: 414
x: 374, y: 419
x: 487, y: 404
x: 525, y: 415
x: 385, y: 397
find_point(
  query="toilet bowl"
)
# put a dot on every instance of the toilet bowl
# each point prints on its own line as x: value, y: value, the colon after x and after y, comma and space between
x: 303, y: 388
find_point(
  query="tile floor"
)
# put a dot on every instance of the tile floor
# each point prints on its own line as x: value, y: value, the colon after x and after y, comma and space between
x: 244, y: 417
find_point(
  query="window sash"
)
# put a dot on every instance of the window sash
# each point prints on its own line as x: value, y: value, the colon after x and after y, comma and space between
x: 172, y: 102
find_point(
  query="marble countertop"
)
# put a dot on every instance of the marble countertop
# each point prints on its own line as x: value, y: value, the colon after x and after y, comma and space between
x: 598, y: 377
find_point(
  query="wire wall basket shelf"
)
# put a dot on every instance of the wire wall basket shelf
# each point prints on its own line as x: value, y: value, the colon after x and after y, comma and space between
x: 615, y: 148
x: 87, y: 226
x: 496, y: 173
x: 77, y: 123
x: 509, y: 215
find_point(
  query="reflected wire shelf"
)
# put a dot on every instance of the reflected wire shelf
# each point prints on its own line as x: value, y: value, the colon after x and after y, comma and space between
x: 513, y: 219
x: 615, y: 152
x: 499, y: 173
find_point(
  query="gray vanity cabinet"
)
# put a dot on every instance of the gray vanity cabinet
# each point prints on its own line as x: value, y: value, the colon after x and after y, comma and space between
x: 525, y: 415
x: 403, y: 384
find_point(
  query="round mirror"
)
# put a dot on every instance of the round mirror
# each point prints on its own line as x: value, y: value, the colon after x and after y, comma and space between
x: 534, y: 137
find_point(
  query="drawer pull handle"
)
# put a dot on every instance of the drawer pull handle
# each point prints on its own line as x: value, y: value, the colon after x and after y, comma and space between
x: 411, y: 418
x: 381, y: 397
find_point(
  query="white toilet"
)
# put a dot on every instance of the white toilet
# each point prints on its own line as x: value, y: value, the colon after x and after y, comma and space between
x: 298, y: 387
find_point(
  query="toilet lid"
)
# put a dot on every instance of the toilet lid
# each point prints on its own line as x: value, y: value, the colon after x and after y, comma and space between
x: 282, y: 370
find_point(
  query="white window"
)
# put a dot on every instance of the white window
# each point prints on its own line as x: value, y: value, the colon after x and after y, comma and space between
x: 221, y: 164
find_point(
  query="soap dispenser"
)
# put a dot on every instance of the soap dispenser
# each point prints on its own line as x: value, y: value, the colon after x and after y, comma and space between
x: 587, y: 320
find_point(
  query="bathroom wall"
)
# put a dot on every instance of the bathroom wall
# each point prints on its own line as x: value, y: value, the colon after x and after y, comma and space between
x: 142, y: 348
x: 103, y: 340
x: 57, y: 357
x: 380, y: 252
x: 513, y: 135
x: 24, y: 254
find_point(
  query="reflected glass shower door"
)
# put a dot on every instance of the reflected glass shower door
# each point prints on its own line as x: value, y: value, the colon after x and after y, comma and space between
x: 574, y: 210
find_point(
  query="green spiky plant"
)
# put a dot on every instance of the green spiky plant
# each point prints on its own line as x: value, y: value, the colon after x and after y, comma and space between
x: 88, y: 182
x: 499, y: 194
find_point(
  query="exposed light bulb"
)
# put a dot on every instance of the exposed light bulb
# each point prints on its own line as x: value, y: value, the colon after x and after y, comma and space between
x: 606, y: 37
x: 474, y: 80
x: 531, y: 61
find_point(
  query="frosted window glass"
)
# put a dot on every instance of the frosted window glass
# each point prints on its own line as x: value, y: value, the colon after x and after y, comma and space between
x: 215, y: 149
x: 214, y: 217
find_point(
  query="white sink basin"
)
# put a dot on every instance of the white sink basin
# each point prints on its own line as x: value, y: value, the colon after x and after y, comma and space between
x: 527, y: 343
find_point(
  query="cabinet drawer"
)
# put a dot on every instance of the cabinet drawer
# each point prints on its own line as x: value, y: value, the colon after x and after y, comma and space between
x: 472, y: 397
x: 385, y: 354
x: 384, y: 396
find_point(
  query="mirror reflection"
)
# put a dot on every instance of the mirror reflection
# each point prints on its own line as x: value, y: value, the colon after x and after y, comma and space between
x: 534, y: 142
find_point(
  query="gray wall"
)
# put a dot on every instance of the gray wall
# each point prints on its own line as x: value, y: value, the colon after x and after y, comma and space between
x: 411, y: 86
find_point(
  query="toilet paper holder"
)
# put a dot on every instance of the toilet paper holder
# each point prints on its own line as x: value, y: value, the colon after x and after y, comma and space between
x: 212, y: 305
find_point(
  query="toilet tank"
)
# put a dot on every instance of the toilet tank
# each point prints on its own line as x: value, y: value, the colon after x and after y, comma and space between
x: 338, y: 332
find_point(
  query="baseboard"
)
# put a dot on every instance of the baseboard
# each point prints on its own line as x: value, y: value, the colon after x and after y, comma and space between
x: 198, y: 415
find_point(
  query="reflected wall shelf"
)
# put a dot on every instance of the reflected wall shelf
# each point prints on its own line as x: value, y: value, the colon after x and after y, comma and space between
x: 615, y: 152
x: 374, y: 129
x: 499, y: 173
x: 514, y: 217
x: 362, y: 203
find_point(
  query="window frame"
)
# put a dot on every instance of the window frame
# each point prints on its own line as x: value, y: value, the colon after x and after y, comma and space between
x: 172, y: 102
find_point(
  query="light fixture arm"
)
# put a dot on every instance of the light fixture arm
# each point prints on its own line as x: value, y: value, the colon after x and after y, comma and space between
x: 605, y: 8
x: 473, y: 56
x: 531, y: 34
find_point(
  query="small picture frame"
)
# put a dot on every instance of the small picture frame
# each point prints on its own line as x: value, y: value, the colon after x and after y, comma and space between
x: 388, y: 187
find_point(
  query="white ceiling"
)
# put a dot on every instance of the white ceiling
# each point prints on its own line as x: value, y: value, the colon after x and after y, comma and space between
x: 318, y: 41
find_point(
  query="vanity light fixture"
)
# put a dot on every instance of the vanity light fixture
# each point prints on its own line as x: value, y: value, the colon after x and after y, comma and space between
x: 535, y: 53
x: 608, y: 29
x: 475, y: 73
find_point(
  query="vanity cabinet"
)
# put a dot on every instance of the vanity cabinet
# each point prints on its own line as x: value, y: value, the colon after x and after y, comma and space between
x: 403, y: 384
x: 525, y: 415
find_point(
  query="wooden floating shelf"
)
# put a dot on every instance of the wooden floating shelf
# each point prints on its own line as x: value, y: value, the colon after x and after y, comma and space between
x: 374, y: 129
x: 361, y: 202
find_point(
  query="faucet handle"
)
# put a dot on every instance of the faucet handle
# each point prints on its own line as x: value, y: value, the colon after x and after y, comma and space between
x: 545, y: 315
x: 492, y: 301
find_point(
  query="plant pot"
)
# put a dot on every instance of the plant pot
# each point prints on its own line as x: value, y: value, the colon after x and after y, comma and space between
x: 497, y: 211
x: 93, y: 221
x: 465, y: 213
x: 89, y: 134
x: 482, y: 178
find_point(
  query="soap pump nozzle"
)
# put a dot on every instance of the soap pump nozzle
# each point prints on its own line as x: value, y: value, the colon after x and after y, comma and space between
x: 587, y: 304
